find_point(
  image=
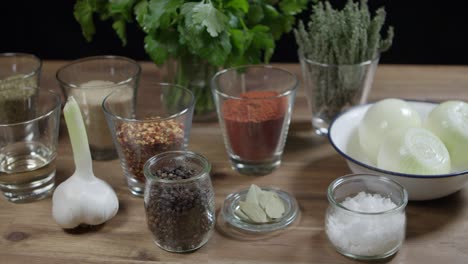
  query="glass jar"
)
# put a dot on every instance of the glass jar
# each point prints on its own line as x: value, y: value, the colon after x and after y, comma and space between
x: 179, y: 200
x: 366, y: 216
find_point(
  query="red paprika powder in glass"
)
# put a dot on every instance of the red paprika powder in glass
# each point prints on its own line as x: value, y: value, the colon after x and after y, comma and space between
x: 253, y: 127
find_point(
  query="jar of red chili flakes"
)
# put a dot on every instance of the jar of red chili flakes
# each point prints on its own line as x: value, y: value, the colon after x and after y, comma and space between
x: 158, y: 120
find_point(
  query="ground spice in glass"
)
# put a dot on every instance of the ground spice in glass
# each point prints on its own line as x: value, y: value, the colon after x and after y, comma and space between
x: 140, y: 141
x: 16, y: 103
x: 180, y: 215
x: 254, y: 127
x: 89, y: 96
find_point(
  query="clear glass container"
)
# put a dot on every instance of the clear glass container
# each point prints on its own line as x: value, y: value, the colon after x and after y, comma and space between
x: 179, y: 200
x: 231, y: 205
x: 17, y: 71
x: 28, y: 143
x: 331, y: 89
x: 89, y: 80
x: 156, y: 120
x: 254, y: 105
x: 366, y: 227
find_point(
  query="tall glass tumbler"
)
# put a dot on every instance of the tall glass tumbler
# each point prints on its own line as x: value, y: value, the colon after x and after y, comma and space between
x: 17, y: 70
x: 254, y: 105
x: 91, y: 79
x: 158, y: 120
x: 331, y: 89
x: 28, y: 144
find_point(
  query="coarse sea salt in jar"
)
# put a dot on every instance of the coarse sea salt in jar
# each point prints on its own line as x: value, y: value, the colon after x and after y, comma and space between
x: 366, y: 217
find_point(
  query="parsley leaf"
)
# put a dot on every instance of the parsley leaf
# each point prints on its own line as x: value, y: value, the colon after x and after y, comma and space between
x: 292, y: 7
x: 210, y: 17
x: 162, y: 45
x: 141, y: 10
x: 263, y: 40
x: 122, y: 8
x: 119, y: 27
x: 83, y: 12
x: 241, y: 40
x: 199, y: 41
x: 160, y: 14
x: 241, y: 5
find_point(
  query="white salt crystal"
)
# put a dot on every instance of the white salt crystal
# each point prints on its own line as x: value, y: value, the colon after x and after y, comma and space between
x: 364, y: 234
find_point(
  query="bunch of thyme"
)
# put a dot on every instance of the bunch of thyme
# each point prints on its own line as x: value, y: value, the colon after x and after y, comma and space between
x: 341, y: 38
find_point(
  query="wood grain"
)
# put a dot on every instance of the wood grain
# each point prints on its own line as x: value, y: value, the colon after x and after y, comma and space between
x: 437, y: 231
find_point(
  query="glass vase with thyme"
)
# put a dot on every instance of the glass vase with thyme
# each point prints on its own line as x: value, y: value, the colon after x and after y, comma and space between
x: 339, y: 52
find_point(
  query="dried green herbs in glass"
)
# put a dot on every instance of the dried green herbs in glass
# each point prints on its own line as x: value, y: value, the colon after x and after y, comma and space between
x: 14, y: 101
x: 336, y: 45
x: 347, y: 36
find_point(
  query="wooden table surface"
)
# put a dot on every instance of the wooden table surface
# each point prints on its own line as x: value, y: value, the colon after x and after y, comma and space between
x: 437, y: 231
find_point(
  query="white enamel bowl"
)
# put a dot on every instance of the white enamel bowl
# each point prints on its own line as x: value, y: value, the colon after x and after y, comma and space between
x: 343, y: 135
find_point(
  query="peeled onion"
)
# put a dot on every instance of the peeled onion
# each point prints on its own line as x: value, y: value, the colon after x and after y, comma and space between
x: 449, y: 121
x: 381, y: 118
x: 413, y: 151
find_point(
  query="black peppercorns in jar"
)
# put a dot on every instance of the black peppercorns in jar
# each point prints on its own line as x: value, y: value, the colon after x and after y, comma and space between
x: 179, y: 200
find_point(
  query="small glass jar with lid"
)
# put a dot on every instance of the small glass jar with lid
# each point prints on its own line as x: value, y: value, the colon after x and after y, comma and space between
x: 179, y: 200
x: 366, y: 216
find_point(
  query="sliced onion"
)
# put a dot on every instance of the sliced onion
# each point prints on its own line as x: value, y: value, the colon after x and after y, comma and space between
x: 413, y: 151
x: 381, y: 118
x: 449, y: 121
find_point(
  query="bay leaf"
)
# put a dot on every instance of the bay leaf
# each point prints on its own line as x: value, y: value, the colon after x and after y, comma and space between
x: 253, y: 211
x: 275, y: 207
x: 241, y: 215
x: 252, y: 194
x: 264, y: 198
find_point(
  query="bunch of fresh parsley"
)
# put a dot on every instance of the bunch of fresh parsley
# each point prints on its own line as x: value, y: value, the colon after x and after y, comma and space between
x: 223, y: 32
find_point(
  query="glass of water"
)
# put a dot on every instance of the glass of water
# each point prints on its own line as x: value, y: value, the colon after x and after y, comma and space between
x: 28, y: 143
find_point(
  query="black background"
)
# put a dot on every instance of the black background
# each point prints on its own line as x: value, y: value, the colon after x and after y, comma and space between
x: 427, y: 32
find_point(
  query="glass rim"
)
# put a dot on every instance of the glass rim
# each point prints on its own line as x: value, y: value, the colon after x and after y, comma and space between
x: 133, y: 120
x: 349, y: 177
x: 57, y: 105
x: 95, y: 58
x: 35, y: 71
x: 360, y: 64
x: 289, y: 91
x: 204, y: 173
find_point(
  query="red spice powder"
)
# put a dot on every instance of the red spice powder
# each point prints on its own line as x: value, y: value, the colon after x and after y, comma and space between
x: 254, y: 126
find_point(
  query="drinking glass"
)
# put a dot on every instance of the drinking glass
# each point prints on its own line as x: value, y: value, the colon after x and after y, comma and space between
x: 331, y: 89
x: 366, y: 234
x: 28, y: 143
x: 17, y: 70
x: 158, y: 120
x: 91, y: 79
x: 254, y: 105
x: 179, y: 200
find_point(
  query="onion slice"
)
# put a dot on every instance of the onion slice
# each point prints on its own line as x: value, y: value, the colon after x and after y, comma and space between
x: 413, y: 151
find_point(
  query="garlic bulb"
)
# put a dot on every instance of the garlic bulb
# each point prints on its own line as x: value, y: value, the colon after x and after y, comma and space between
x: 82, y: 198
